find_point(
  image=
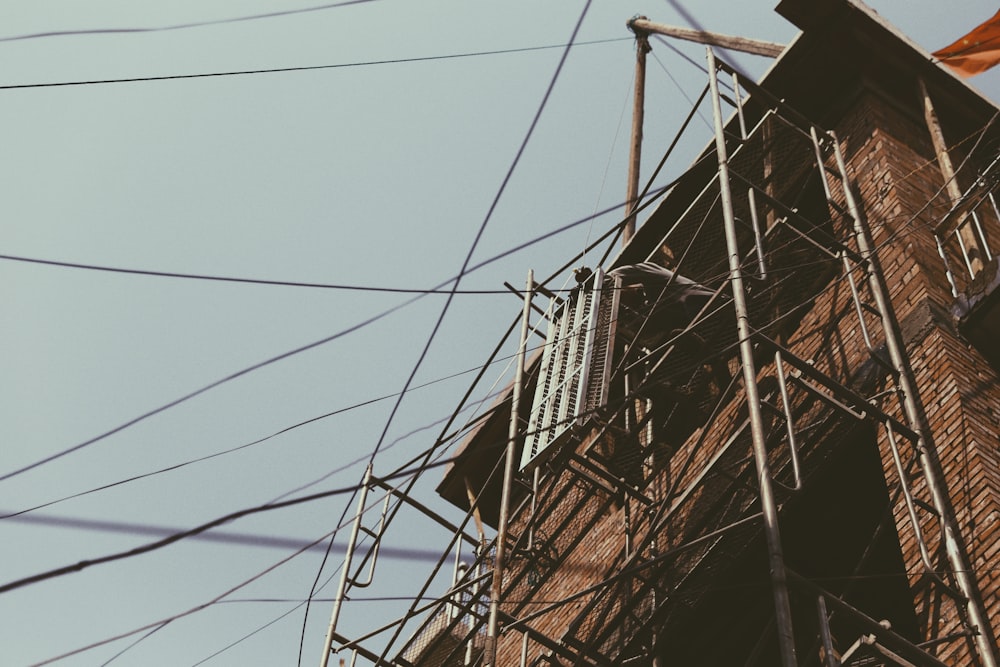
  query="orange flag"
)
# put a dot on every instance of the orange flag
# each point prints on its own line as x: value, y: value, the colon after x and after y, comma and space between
x: 976, y: 52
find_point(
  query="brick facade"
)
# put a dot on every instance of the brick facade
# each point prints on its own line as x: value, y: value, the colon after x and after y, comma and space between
x: 581, y: 526
x: 648, y: 548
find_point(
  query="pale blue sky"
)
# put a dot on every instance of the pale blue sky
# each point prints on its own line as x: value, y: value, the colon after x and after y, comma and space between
x: 371, y: 175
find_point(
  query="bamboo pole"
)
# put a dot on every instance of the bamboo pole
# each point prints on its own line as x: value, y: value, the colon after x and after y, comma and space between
x: 965, y: 232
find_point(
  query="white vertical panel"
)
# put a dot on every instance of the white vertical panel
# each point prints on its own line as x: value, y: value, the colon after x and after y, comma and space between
x: 561, y: 393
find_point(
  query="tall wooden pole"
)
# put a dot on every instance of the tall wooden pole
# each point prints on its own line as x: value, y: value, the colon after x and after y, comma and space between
x: 635, y: 155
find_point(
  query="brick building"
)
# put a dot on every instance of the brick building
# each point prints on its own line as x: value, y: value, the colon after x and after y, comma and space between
x: 766, y: 433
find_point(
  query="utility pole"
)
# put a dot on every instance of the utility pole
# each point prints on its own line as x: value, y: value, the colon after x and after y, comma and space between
x: 635, y: 156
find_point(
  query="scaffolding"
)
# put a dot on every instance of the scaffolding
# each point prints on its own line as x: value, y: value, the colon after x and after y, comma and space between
x: 703, y: 483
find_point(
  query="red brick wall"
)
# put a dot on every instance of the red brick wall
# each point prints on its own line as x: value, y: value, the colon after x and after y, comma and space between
x: 902, y: 190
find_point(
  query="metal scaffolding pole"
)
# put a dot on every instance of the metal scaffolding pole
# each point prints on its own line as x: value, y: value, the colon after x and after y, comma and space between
x: 769, y: 507
x: 493, y: 626
x: 345, y: 573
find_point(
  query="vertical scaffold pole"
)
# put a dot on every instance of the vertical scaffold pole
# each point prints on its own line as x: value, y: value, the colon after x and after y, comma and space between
x: 496, y: 585
x: 769, y: 507
x: 346, y: 571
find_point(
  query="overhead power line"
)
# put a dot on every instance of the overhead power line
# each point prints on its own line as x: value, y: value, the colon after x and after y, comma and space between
x: 197, y: 530
x: 197, y: 392
x: 304, y: 68
x: 230, y: 450
x: 303, y: 348
x: 179, y: 26
x: 227, y: 538
x: 232, y: 279
x: 155, y: 626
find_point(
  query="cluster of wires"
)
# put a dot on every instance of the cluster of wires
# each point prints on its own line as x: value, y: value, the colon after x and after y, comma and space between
x: 406, y: 475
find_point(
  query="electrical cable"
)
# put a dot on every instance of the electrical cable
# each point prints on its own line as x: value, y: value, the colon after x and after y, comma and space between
x: 188, y: 612
x: 441, y: 440
x: 141, y: 639
x: 893, y: 235
x: 207, y: 387
x: 694, y: 23
x: 482, y: 228
x: 486, y: 220
x: 302, y: 68
x: 295, y: 351
x: 251, y: 281
x: 181, y: 26
x: 683, y: 92
x: 314, y: 344
x: 249, y: 634
x: 214, y: 523
x: 258, y: 441
x: 607, y: 166
x: 670, y: 45
x: 402, y: 471
x: 438, y: 289
x: 215, y: 537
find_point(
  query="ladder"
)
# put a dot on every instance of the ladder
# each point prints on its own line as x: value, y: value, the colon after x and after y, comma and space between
x: 913, y: 452
x: 349, y: 581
